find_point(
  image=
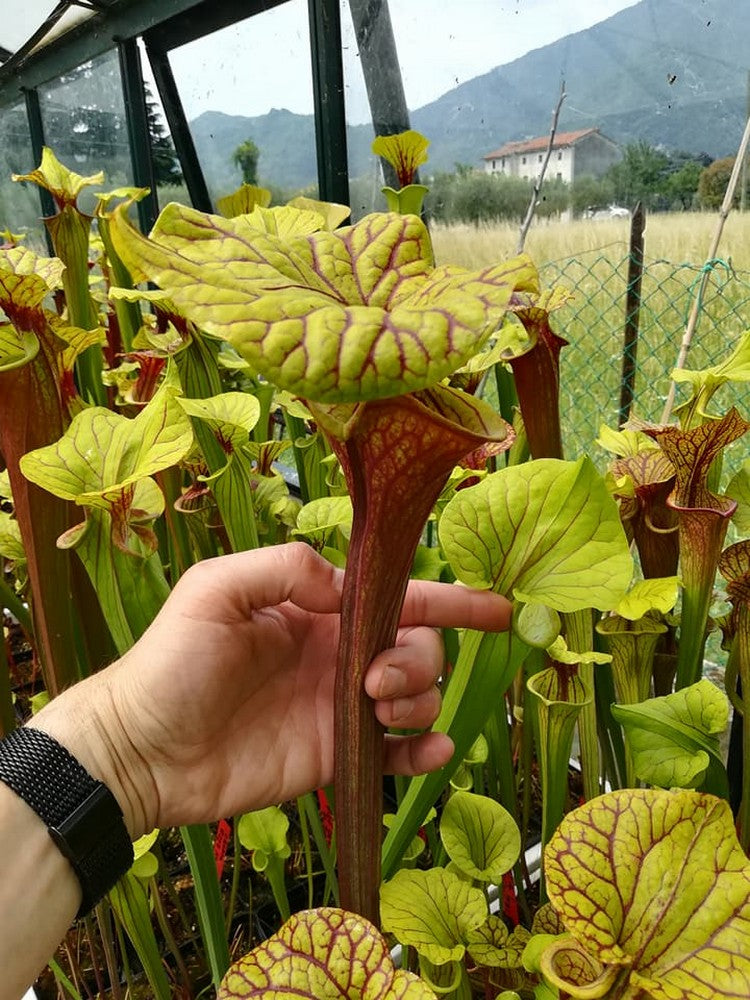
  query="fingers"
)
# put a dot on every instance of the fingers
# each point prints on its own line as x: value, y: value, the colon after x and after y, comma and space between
x: 411, y: 755
x: 449, y: 605
x: 411, y: 668
x: 261, y: 578
x: 247, y: 581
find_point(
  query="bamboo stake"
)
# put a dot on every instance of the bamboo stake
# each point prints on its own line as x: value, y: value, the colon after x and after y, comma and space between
x: 692, y: 322
x: 540, y: 179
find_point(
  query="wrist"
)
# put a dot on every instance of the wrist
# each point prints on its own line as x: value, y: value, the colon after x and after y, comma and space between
x: 84, y: 719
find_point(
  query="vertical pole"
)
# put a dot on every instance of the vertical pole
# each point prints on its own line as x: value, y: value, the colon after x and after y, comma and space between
x: 136, y: 117
x: 743, y: 182
x: 328, y: 92
x: 182, y: 137
x: 381, y: 69
x: 36, y: 131
x: 632, y: 313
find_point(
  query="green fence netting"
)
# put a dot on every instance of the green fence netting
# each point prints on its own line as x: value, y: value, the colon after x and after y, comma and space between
x: 594, y: 321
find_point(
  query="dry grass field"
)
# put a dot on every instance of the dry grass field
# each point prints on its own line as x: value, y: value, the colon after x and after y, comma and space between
x: 591, y: 258
x: 677, y: 237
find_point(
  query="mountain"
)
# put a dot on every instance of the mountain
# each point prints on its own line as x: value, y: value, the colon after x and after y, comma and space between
x: 672, y: 72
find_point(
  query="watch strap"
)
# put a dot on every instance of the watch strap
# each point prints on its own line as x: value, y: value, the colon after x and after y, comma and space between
x: 82, y: 815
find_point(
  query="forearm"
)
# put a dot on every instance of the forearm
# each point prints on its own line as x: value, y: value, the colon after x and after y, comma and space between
x: 39, y: 895
x: 39, y: 892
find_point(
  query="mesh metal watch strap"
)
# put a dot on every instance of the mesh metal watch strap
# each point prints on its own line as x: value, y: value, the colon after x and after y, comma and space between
x: 81, y: 814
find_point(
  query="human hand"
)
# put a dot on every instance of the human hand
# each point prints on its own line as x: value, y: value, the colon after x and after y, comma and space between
x: 226, y: 702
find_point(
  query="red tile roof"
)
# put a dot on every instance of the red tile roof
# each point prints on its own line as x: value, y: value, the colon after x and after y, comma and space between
x: 536, y: 145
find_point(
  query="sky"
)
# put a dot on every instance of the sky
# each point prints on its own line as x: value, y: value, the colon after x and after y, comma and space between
x: 264, y: 62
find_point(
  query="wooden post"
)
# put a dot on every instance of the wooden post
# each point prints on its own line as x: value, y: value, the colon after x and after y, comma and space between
x: 632, y: 313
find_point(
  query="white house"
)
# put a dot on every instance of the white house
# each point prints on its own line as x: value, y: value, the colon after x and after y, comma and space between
x: 574, y: 154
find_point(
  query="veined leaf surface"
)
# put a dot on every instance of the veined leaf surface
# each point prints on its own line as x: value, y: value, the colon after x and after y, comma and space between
x: 63, y: 184
x: 103, y: 454
x: 481, y: 837
x: 655, y: 882
x: 323, y: 954
x: 342, y: 316
x: 433, y: 910
x: 545, y: 531
x: 673, y: 738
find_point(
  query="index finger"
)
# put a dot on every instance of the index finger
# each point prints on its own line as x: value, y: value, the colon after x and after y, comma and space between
x: 449, y: 605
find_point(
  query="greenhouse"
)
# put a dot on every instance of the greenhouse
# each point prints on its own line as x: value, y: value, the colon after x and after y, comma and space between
x: 374, y: 500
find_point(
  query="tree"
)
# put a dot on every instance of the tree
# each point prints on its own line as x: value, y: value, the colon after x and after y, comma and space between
x: 245, y: 157
x: 640, y: 175
x: 163, y: 155
x: 713, y: 183
x: 591, y: 194
x: 682, y: 184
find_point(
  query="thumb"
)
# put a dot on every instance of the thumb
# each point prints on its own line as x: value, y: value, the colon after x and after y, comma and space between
x: 243, y: 582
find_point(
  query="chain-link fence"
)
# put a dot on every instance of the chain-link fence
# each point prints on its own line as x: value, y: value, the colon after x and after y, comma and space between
x: 594, y: 321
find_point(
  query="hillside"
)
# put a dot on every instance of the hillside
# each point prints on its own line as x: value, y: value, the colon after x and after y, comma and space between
x: 617, y: 76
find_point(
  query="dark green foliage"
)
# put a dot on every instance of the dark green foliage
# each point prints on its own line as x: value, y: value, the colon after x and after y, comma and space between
x: 591, y: 194
x: 245, y: 157
x: 713, y: 183
x: 662, y: 180
x: 166, y: 165
x: 473, y: 196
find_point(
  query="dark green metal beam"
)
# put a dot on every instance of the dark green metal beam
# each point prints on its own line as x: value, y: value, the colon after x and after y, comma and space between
x: 139, y: 137
x: 208, y: 16
x: 36, y: 132
x: 328, y: 93
x: 91, y: 38
x: 182, y: 137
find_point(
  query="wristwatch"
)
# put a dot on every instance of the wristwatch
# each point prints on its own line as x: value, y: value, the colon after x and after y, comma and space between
x: 81, y: 814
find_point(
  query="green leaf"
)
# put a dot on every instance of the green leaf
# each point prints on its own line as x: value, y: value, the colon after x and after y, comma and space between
x: 546, y: 531
x: 355, y: 314
x: 739, y: 490
x: 624, y: 443
x: 433, y: 911
x: 145, y: 867
x: 558, y: 650
x: 674, y: 738
x: 735, y: 368
x: 428, y: 564
x: 25, y: 280
x: 11, y: 543
x: 489, y: 946
x: 333, y: 213
x: 537, y: 625
x: 243, y: 200
x: 230, y: 415
x: 659, y: 594
x: 405, y: 152
x: 656, y: 884
x: 103, y: 455
x: 312, y: 958
x: 145, y: 843
x: 265, y: 830
x: 415, y: 849
x: 318, y: 518
x: 406, y: 201
x: 569, y: 967
x: 480, y: 836
x: 63, y: 184
x: 692, y: 453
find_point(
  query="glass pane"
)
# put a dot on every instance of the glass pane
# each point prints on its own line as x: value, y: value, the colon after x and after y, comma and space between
x: 170, y: 184
x: 251, y: 82
x: 83, y: 113
x: 365, y: 172
x: 20, y: 208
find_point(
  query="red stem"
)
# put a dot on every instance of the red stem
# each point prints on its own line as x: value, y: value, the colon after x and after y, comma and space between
x: 396, y: 460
